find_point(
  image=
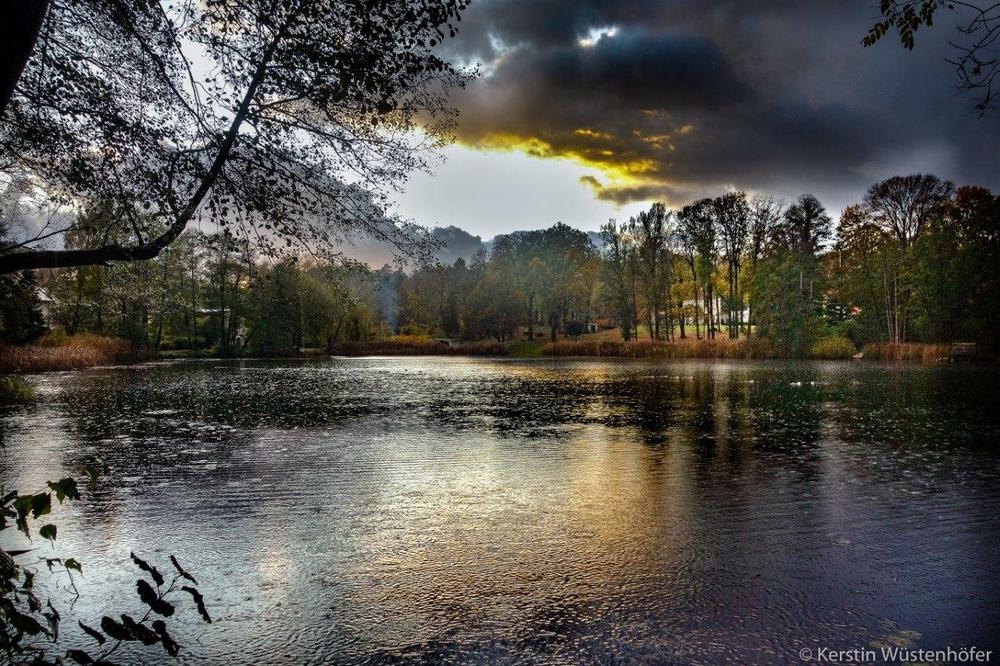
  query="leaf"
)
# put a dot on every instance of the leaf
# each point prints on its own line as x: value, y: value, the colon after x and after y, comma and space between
x: 200, y: 602
x: 148, y: 568
x: 33, y: 505
x: 151, y: 599
x: 80, y: 657
x: 72, y: 563
x: 115, y: 629
x: 53, y: 617
x: 169, y: 644
x: 48, y: 532
x: 93, y: 633
x: 180, y: 570
x: 24, y: 623
x: 65, y: 488
x: 140, y: 631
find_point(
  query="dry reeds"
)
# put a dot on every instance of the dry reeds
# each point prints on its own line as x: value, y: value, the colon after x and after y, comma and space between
x: 719, y: 348
x: 906, y: 351
x: 68, y: 353
x: 414, y: 345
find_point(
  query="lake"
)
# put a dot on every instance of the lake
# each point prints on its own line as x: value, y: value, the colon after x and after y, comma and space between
x: 550, y: 511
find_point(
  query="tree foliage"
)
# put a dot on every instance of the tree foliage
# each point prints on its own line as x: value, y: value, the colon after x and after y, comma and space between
x: 277, y: 121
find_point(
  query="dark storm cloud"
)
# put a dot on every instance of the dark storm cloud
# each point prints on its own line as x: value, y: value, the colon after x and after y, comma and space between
x: 676, y: 99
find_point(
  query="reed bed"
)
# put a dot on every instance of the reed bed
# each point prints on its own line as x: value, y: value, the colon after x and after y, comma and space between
x: 72, y: 352
x: 907, y: 351
x: 720, y: 348
x: 413, y: 345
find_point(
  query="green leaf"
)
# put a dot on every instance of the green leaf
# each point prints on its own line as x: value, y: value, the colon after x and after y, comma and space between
x: 65, y: 488
x: 93, y: 633
x: 48, y: 532
x: 72, y: 563
x: 33, y: 505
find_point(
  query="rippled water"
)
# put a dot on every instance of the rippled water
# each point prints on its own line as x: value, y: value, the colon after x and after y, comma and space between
x: 442, y: 509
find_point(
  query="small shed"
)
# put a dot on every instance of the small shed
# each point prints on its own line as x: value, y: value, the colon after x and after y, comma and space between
x: 451, y: 343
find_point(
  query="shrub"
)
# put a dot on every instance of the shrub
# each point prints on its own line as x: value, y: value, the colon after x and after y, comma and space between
x: 834, y: 347
x: 14, y: 390
x: 574, y: 328
x: 56, y: 337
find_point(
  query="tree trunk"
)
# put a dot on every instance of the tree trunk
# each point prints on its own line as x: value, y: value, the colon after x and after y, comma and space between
x: 531, y: 316
x: 18, y: 33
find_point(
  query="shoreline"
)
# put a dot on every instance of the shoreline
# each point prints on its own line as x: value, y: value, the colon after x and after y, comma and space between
x: 109, y: 352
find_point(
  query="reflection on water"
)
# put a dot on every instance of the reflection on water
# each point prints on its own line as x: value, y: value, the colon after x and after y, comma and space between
x: 378, y: 510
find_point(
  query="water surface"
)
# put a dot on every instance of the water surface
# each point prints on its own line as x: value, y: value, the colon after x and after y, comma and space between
x: 549, y: 511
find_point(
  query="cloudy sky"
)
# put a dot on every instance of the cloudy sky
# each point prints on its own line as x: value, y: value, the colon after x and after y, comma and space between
x: 590, y: 109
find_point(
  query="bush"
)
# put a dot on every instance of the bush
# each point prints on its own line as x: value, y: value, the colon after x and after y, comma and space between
x: 57, y: 337
x: 834, y: 347
x: 574, y: 328
x: 14, y: 390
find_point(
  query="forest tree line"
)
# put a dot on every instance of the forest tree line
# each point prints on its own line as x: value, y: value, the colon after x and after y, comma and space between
x: 915, y: 260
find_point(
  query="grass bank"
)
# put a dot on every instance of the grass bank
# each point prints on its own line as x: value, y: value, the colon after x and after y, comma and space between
x: 73, y: 352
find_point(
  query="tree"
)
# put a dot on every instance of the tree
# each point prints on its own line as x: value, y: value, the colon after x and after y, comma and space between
x: 858, y: 274
x: 21, y: 318
x: 650, y: 229
x: 616, y: 265
x: 109, y: 107
x: 732, y: 215
x: 698, y: 233
x: 805, y: 227
x: 903, y: 205
x: 976, y: 61
x: 492, y: 308
x: 766, y: 213
x: 786, y: 283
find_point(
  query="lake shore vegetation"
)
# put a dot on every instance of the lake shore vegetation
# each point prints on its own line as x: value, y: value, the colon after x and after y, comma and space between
x: 907, y: 271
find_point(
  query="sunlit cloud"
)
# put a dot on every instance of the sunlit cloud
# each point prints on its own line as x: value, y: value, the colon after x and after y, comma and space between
x: 666, y: 100
x: 594, y: 35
